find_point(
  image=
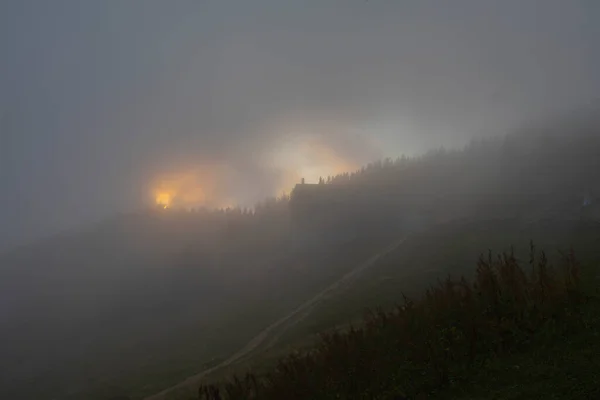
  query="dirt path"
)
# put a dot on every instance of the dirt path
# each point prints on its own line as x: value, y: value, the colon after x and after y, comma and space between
x: 283, y: 324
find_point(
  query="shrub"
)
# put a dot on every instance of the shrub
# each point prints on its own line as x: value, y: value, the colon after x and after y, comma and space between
x: 424, y: 346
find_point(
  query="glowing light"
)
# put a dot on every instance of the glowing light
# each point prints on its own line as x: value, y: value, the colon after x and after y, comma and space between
x: 301, y: 151
x: 308, y: 157
x: 185, y: 189
x: 163, y: 199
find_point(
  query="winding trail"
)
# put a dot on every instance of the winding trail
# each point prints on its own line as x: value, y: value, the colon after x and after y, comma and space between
x: 277, y: 328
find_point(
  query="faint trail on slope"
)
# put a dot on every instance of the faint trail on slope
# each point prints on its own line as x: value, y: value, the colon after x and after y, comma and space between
x: 286, y: 322
x: 340, y: 284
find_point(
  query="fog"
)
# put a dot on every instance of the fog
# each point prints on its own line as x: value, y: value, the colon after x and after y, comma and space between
x: 105, y: 105
x: 157, y: 147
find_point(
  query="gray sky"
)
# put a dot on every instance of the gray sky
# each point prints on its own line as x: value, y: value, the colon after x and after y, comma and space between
x: 102, y: 102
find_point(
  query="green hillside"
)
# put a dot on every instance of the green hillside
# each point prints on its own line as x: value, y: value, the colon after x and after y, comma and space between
x: 532, y: 348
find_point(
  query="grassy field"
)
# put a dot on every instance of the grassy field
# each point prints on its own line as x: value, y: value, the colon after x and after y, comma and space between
x: 422, y: 259
x: 567, y: 368
x: 453, y: 249
x: 450, y: 249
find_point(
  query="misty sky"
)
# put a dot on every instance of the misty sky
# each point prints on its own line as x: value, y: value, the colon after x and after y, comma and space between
x: 101, y: 102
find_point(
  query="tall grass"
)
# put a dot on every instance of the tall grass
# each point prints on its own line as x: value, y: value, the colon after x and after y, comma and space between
x: 424, y: 346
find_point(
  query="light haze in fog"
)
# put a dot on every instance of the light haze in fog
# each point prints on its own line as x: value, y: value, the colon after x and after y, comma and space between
x: 98, y: 99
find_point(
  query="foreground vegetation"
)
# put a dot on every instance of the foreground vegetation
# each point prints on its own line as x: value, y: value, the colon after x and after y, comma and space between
x: 435, y: 346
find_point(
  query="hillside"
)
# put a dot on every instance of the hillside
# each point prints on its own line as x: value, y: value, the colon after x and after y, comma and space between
x: 141, y: 302
x: 447, y: 249
x: 562, y: 344
x: 552, y: 216
x: 412, y: 267
x: 523, y: 329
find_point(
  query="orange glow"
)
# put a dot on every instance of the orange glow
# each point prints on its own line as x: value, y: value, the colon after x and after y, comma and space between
x: 192, y: 187
x: 310, y: 158
x: 302, y: 152
x: 163, y: 199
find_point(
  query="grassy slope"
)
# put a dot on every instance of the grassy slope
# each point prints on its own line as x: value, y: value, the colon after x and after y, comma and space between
x: 449, y: 249
x: 566, y: 369
x: 453, y: 248
x: 560, y: 369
